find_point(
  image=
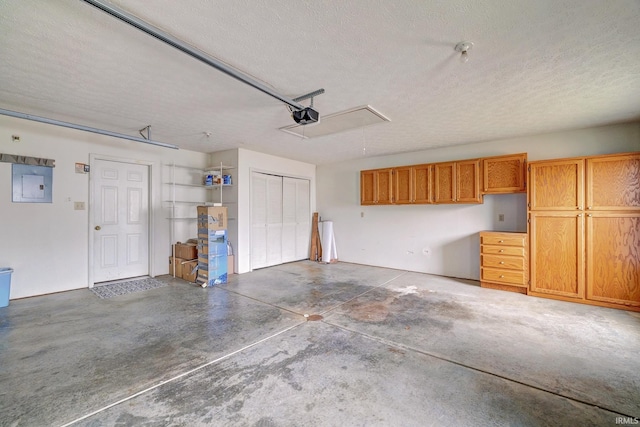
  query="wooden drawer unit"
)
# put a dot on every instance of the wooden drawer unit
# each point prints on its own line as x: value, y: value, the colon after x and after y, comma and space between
x: 504, y: 261
x: 513, y: 278
x: 503, y: 239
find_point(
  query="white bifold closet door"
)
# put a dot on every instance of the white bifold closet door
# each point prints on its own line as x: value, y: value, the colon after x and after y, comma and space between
x: 280, y: 219
x: 296, y: 221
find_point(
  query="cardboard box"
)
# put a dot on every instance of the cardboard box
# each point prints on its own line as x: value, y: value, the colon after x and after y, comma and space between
x: 212, y: 218
x: 178, y: 263
x: 230, y: 269
x: 186, y: 251
x: 213, y: 242
x: 212, y: 270
x: 189, y: 271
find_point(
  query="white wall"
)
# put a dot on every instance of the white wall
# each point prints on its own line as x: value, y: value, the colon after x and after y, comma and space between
x: 48, y: 244
x: 443, y: 239
x: 249, y: 161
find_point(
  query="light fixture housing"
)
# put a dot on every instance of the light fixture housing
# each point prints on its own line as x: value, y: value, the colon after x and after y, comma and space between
x: 464, y: 48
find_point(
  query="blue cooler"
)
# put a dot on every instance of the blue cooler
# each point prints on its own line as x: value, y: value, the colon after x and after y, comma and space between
x: 5, y: 286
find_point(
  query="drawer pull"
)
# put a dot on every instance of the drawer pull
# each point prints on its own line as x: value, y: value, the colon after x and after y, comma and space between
x: 501, y: 262
x: 500, y: 241
x: 501, y: 250
x: 502, y: 276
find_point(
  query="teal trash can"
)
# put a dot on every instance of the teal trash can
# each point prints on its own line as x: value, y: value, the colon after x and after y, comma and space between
x: 5, y: 286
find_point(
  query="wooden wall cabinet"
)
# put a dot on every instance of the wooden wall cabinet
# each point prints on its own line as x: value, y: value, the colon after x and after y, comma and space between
x: 613, y: 183
x: 556, y: 185
x: 584, y: 226
x: 504, y: 261
x: 447, y: 182
x: 444, y: 177
x: 557, y: 255
x: 413, y: 184
x: 457, y: 182
x: 376, y: 187
x: 504, y: 174
x: 613, y: 257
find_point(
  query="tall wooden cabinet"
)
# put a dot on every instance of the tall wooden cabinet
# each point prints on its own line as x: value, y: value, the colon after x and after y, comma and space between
x: 584, y: 227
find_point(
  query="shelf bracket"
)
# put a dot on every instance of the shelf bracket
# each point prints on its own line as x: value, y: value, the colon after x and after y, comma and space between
x: 148, y: 129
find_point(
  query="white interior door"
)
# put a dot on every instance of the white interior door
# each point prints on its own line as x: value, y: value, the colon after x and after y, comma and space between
x: 258, y: 220
x: 121, y: 220
x: 303, y: 218
x: 280, y: 219
x: 296, y: 227
x: 288, y: 219
x: 274, y: 220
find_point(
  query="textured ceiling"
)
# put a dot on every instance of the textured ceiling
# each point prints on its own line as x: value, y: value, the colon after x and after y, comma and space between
x: 537, y: 66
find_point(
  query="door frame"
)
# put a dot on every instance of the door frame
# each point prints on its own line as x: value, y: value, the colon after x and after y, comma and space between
x: 280, y: 174
x: 151, y: 226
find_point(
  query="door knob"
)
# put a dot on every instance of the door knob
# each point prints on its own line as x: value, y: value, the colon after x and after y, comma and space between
x: 98, y: 228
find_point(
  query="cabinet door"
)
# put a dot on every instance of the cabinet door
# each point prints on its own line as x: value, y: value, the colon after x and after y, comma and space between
x: 403, y: 185
x: 367, y: 187
x: 444, y: 175
x: 556, y: 184
x: 613, y: 182
x: 468, y: 182
x: 423, y: 184
x: 556, y: 255
x: 504, y: 174
x: 613, y: 257
x: 384, y: 186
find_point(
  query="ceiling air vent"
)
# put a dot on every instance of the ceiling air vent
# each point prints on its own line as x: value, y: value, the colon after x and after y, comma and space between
x: 338, y: 122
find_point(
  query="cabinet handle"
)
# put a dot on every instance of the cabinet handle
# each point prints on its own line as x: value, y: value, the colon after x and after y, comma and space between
x: 500, y: 241
x: 588, y: 207
x: 579, y: 214
x: 501, y: 250
x: 589, y: 215
x: 579, y: 207
x: 501, y: 262
x: 502, y: 276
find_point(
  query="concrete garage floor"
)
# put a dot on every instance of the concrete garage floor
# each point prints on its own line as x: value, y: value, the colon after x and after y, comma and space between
x: 393, y: 348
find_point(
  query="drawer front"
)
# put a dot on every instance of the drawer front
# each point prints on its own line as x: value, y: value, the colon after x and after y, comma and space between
x: 502, y: 250
x: 516, y: 240
x: 511, y: 263
x: 503, y: 276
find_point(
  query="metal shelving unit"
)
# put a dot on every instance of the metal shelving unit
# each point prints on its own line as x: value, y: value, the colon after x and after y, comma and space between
x: 174, y: 184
